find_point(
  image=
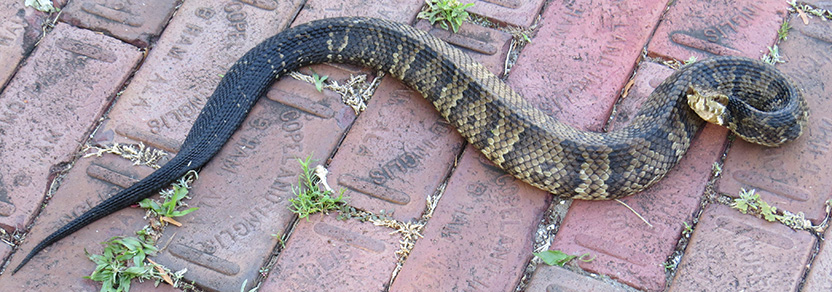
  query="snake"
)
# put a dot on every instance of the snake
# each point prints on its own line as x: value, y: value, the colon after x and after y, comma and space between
x: 756, y: 101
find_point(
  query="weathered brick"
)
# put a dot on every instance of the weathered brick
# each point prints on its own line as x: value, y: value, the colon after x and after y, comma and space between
x: 243, y: 191
x: 553, y: 278
x: 403, y: 11
x: 480, y: 235
x: 61, y: 266
x: 708, y: 28
x: 487, y: 45
x: 327, y: 254
x: 820, y: 276
x: 48, y: 107
x: 626, y: 248
x: 730, y: 251
x: 517, y: 13
x: 794, y: 176
x: 5, y: 249
x: 577, y: 78
x: 398, y: 152
x: 19, y: 31
x: 133, y: 22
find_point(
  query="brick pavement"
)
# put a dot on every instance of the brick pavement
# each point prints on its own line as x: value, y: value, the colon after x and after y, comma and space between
x: 398, y: 154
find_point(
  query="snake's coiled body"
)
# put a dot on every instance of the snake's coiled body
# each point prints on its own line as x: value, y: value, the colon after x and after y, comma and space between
x: 524, y: 141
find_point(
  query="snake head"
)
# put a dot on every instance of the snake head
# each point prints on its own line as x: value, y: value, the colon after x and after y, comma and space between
x: 708, y: 104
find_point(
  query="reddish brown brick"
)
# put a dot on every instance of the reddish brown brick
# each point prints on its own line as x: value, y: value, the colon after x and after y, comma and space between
x: 820, y: 276
x: 708, y: 28
x: 398, y: 152
x: 401, y: 11
x: 19, y: 31
x: 185, y: 66
x: 480, y: 235
x: 577, y: 78
x: 326, y: 254
x: 49, y: 106
x: 730, y: 251
x: 243, y: 192
x: 626, y: 248
x: 794, y: 177
x: 517, y: 13
x: 489, y: 46
x: 132, y: 22
x: 61, y: 266
x: 553, y: 278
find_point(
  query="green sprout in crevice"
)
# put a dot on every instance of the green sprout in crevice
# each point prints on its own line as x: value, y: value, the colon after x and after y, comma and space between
x: 559, y: 258
x: 309, y: 197
x: 449, y: 13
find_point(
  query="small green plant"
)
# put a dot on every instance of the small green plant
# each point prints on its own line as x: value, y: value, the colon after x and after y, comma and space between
x: 319, y: 81
x: 750, y: 202
x: 773, y: 56
x: 122, y: 261
x: 559, y: 258
x: 310, y: 199
x: 690, y: 60
x: 783, y: 31
x: 688, y: 229
x: 446, y: 12
x: 167, y: 210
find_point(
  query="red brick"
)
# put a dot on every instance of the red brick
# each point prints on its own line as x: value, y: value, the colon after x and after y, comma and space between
x: 794, y: 177
x: 820, y: 276
x: 480, y: 235
x: 19, y: 31
x: 327, y: 254
x: 149, y: 286
x: 708, y: 28
x: 132, y: 22
x: 185, y: 66
x: 626, y: 248
x: 243, y: 191
x: 577, y: 78
x: 398, y: 152
x: 489, y: 46
x: 553, y: 278
x: 403, y: 11
x: 61, y: 266
x: 730, y: 251
x: 648, y: 77
x: 49, y: 106
x: 512, y: 12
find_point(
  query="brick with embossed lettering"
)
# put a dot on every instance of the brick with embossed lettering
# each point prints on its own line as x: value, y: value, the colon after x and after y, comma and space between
x: 400, y: 11
x: 582, y: 56
x: 47, y: 109
x: 730, y: 251
x: 61, y: 266
x: 795, y: 176
x: 131, y: 21
x: 554, y: 278
x: 626, y: 248
x: 20, y: 29
x: 718, y: 28
x: 487, y: 45
x: 398, y: 152
x: 820, y: 275
x: 512, y: 12
x: 327, y: 254
x: 480, y: 235
x: 243, y: 191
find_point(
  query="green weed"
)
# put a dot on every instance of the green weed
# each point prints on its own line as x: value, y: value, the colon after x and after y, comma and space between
x: 446, y: 12
x: 559, y: 258
x: 310, y: 199
x: 122, y: 261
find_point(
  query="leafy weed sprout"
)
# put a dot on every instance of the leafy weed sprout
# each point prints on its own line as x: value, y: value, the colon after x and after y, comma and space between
x: 446, y: 12
x: 309, y: 198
